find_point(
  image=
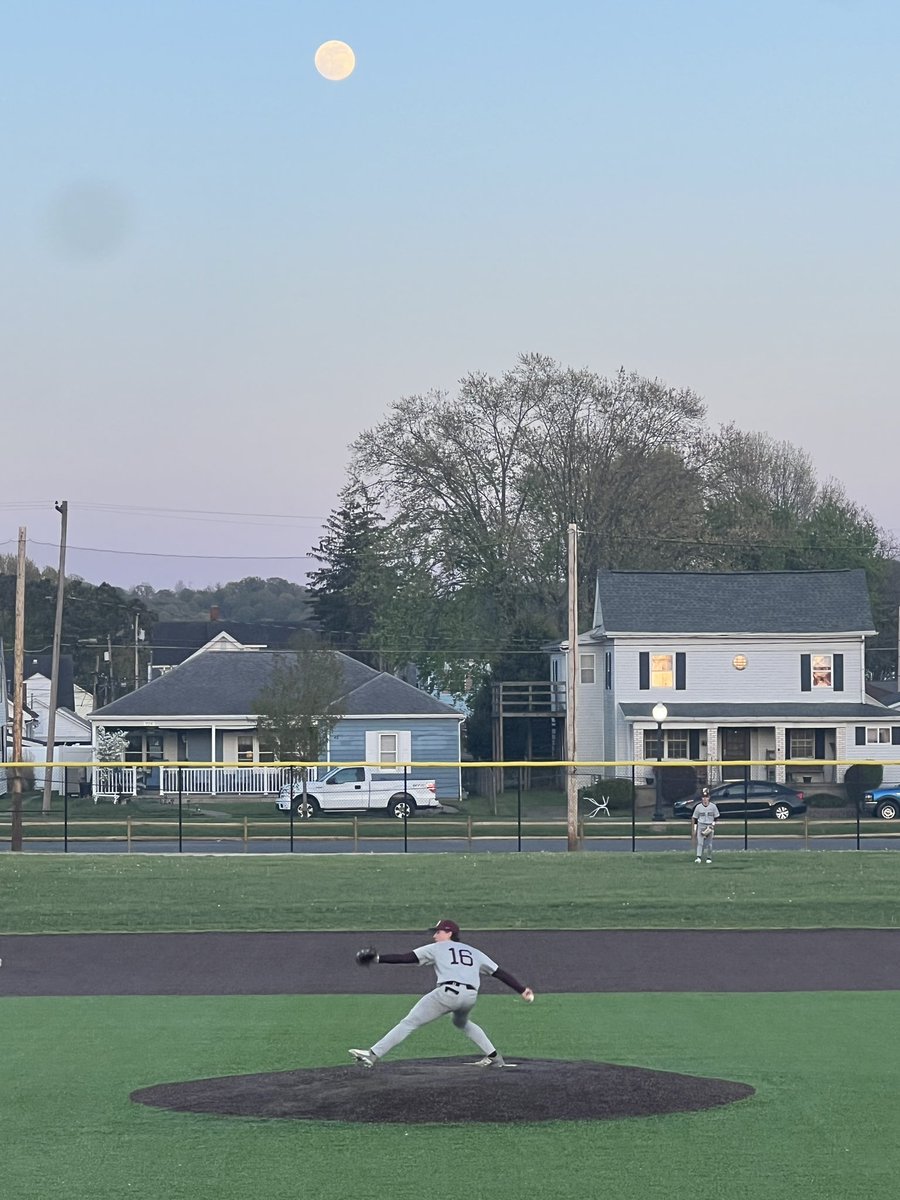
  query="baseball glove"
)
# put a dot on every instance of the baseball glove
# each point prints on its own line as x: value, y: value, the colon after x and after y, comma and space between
x: 366, y: 957
x: 705, y: 831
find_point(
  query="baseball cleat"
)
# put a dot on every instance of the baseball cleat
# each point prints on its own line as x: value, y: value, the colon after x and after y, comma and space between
x: 366, y: 1057
x: 696, y: 860
x: 491, y: 1060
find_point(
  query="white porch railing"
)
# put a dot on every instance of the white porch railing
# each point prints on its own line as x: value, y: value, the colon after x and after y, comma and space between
x: 256, y: 780
x: 113, y: 782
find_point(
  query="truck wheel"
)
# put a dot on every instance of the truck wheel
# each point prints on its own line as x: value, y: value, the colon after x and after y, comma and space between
x: 887, y: 810
x: 307, y: 809
x: 402, y: 806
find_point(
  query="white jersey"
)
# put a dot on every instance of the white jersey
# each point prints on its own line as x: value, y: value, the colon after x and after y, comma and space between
x: 706, y: 814
x: 455, y: 962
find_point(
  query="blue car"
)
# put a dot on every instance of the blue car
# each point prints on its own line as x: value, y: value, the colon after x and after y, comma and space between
x: 883, y: 802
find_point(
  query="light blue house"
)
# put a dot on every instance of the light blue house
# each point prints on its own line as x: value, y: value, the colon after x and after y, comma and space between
x: 202, y: 711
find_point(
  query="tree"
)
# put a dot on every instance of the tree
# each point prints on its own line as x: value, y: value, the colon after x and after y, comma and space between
x: 299, y: 707
x: 355, y: 579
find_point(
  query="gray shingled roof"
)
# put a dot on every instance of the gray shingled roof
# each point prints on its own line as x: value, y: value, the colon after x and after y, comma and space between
x: 719, y: 713
x: 225, y: 683
x: 736, y: 602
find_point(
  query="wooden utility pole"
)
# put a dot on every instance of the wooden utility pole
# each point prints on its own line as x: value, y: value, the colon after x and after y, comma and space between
x: 62, y: 508
x: 15, y: 834
x: 571, y: 689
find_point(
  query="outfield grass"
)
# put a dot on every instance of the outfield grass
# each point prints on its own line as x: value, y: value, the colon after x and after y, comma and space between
x: 755, y: 890
x: 821, y: 1125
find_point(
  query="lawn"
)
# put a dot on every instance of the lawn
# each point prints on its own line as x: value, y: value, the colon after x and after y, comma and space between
x: 821, y: 1125
x: 755, y: 890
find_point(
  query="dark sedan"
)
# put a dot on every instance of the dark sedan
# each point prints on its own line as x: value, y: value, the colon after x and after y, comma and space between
x: 763, y: 800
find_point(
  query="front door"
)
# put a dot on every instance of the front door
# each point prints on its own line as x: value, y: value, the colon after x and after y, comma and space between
x: 734, y: 746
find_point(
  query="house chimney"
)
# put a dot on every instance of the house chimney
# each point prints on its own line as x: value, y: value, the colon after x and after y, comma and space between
x: 214, y: 612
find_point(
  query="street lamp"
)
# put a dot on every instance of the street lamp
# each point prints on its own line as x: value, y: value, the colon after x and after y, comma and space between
x: 660, y: 712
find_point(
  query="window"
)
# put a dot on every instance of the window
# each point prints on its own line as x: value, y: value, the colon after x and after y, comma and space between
x: 387, y: 748
x: 245, y: 748
x: 878, y: 735
x: 348, y: 775
x: 675, y: 743
x: 662, y: 670
x: 821, y: 671
x: 803, y: 743
x: 587, y: 668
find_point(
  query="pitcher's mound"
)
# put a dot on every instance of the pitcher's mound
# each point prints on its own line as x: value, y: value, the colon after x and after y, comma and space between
x: 438, y: 1090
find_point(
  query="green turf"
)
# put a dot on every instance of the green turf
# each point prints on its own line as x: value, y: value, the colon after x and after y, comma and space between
x: 820, y: 1127
x: 485, y: 891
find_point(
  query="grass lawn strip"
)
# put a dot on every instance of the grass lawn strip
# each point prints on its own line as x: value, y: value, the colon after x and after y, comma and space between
x: 820, y: 1126
x: 758, y: 890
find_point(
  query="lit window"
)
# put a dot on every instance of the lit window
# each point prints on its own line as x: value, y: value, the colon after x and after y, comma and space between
x: 245, y: 748
x: 821, y: 670
x: 662, y: 670
x: 587, y: 668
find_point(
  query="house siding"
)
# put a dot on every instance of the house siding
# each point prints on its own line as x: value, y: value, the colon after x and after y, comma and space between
x: 432, y: 741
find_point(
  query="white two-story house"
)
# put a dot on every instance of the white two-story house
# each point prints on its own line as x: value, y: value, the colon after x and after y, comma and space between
x: 767, y: 667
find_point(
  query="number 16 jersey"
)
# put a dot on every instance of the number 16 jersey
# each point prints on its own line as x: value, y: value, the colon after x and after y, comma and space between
x: 455, y: 962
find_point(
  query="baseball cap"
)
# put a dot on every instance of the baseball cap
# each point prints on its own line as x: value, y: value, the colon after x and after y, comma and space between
x: 447, y: 926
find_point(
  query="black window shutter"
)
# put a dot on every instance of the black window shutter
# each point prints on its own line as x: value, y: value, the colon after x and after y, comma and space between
x: 820, y: 744
x: 645, y: 671
x: 837, y: 678
x: 608, y: 670
x: 895, y: 736
x: 694, y: 743
x: 860, y: 735
x: 680, y: 671
x: 805, y: 673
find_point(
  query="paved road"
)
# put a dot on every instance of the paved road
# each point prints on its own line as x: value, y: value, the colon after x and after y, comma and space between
x: 205, y: 964
x: 322, y: 845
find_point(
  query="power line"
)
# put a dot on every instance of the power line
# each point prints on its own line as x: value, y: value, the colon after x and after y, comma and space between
x: 166, y: 554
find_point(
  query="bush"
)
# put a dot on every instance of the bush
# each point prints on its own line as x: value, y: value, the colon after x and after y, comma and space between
x: 619, y: 792
x: 677, y: 783
x: 862, y: 778
x: 826, y: 800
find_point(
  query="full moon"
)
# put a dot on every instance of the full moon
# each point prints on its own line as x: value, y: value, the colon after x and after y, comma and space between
x: 335, y: 60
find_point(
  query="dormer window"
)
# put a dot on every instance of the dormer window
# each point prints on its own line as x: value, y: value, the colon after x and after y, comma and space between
x: 662, y: 671
x: 821, y: 672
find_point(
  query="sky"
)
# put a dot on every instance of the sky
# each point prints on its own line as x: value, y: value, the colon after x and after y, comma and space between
x: 217, y: 267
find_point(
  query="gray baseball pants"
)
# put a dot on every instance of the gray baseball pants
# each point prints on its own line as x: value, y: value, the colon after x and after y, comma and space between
x: 705, y: 844
x: 446, y: 998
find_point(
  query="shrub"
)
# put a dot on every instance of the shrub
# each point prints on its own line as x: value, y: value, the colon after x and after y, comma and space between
x: 619, y: 792
x: 826, y: 800
x: 677, y: 783
x: 861, y: 778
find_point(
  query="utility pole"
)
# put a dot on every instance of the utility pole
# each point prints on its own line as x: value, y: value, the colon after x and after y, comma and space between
x: 138, y: 637
x: 15, y: 833
x: 62, y: 508
x: 571, y: 688
x: 111, y: 690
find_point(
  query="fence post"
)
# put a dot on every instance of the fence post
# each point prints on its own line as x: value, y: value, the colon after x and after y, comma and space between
x: 633, y: 804
x: 291, y: 803
x: 519, y: 809
x: 179, y: 808
x: 469, y: 829
x: 746, y: 802
x: 65, y: 820
x: 405, y: 812
x: 355, y: 834
x: 128, y: 833
x: 246, y: 839
x: 857, y: 824
x: 806, y: 829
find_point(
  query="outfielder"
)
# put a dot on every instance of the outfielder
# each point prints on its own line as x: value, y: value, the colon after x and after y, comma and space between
x: 458, y: 968
x: 704, y: 826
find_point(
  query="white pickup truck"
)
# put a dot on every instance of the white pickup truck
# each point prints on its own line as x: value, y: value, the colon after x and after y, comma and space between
x: 366, y: 789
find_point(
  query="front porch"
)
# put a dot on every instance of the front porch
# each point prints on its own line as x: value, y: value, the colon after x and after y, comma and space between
x: 119, y: 783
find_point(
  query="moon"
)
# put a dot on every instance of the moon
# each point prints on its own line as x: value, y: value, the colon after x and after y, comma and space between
x: 335, y: 60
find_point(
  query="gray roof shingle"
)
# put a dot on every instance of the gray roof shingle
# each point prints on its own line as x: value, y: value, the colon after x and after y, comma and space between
x: 733, y: 602
x: 225, y: 683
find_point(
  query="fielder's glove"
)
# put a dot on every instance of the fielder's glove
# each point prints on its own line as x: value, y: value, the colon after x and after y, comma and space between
x: 366, y: 957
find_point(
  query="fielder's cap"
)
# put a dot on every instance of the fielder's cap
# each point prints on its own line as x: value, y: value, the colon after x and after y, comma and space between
x: 447, y: 927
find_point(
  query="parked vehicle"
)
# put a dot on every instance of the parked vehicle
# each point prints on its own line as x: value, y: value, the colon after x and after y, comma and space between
x: 883, y: 802
x: 763, y: 800
x: 351, y: 789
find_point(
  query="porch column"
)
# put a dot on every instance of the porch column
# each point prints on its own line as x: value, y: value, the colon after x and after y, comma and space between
x: 840, y: 751
x: 780, y: 751
x: 713, y: 774
x: 212, y: 757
